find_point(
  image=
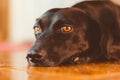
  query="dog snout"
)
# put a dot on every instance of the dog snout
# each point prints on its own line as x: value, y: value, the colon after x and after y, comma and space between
x: 35, y: 58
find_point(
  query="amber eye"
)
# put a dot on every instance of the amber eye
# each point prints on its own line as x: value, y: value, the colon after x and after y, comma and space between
x: 67, y: 29
x: 37, y: 30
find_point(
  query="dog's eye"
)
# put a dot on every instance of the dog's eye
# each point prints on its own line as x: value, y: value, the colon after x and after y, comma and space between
x: 67, y: 29
x: 37, y: 30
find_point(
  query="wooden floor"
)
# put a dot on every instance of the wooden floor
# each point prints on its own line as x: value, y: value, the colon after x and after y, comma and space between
x: 13, y: 66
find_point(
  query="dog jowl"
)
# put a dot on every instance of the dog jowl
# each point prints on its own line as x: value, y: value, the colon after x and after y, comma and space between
x: 86, y: 32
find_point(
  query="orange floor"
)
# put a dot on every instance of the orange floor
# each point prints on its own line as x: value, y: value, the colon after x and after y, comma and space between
x: 13, y: 66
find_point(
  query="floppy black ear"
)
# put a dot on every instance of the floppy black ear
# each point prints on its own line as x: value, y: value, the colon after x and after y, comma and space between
x: 96, y: 35
x: 102, y: 39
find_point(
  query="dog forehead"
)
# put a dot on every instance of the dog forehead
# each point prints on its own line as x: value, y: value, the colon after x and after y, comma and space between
x: 71, y: 10
x: 50, y: 17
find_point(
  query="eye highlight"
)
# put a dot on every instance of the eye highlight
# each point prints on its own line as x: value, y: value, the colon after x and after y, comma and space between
x: 37, y: 30
x: 67, y: 28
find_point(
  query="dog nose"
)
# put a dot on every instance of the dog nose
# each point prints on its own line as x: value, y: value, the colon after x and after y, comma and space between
x: 33, y: 54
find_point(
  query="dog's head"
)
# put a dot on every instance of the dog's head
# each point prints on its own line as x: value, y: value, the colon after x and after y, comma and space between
x: 61, y: 35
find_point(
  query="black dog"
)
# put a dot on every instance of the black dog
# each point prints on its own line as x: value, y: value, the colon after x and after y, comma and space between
x: 86, y: 32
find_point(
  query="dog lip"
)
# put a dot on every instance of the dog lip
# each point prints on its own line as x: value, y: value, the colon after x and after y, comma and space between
x: 33, y: 61
x: 29, y: 60
x: 41, y: 62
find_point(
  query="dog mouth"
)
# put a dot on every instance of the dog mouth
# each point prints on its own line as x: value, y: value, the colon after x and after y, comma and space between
x: 75, y: 59
x: 40, y: 62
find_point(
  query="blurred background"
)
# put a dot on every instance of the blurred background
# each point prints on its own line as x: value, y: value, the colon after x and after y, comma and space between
x: 17, y: 18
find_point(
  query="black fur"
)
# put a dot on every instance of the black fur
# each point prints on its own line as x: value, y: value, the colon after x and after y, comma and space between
x: 95, y: 36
